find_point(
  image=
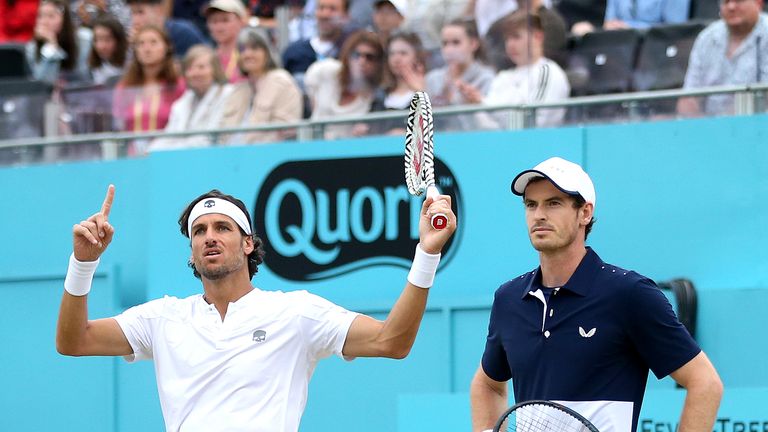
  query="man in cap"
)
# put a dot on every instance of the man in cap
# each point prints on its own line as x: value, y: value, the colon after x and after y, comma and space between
x: 225, y: 19
x: 236, y: 358
x: 579, y: 331
x: 388, y: 16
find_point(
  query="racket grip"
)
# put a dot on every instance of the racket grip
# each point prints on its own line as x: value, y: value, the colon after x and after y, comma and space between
x: 438, y: 220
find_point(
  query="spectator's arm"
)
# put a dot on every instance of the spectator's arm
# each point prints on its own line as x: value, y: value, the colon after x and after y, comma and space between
x: 694, y: 78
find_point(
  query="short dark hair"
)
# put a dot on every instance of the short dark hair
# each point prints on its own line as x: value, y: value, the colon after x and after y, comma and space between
x: 578, y: 202
x: 521, y: 19
x: 255, y: 258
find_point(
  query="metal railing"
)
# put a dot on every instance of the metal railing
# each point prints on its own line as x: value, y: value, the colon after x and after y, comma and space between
x: 748, y: 100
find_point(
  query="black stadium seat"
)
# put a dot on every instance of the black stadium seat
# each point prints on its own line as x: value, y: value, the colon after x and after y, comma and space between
x: 602, y: 62
x: 13, y: 62
x: 706, y: 10
x: 663, y: 56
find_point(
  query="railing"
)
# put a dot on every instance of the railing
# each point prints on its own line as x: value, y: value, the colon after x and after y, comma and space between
x: 748, y: 100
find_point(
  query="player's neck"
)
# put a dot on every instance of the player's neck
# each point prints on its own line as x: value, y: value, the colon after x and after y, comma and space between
x: 229, y: 289
x: 558, y: 266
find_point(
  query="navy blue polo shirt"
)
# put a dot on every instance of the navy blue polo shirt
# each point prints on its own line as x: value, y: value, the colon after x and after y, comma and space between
x: 590, y: 345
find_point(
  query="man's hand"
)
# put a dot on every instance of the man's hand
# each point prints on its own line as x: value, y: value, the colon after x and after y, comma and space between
x: 91, y: 237
x: 432, y: 240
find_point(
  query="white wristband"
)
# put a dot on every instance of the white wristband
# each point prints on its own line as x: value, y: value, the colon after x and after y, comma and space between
x: 79, y: 276
x: 423, y: 269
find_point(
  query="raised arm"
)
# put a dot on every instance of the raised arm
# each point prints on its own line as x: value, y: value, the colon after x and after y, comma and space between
x: 703, y: 393
x: 488, y: 399
x: 75, y: 334
x: 394, y: 337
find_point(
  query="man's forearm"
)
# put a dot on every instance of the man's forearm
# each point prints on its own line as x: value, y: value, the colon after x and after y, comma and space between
x: 700, y: 409
x: 402, y: 323
x: 71, y: 326
x: 487, y: 404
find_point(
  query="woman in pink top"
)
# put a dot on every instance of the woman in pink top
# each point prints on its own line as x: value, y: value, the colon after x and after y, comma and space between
x: 144, y: 96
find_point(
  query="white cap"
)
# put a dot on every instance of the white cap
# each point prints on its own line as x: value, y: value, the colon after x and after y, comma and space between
x: 400, y: 5
x: 234, y: 6
x: 567, y: 176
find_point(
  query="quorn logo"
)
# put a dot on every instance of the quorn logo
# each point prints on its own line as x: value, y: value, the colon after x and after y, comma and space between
x: 324, y: 218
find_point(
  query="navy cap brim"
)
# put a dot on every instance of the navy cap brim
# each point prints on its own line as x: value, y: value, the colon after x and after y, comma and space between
x: 520, y: 182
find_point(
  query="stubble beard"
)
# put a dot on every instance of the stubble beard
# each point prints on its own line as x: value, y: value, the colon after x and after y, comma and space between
x: 221, y: 271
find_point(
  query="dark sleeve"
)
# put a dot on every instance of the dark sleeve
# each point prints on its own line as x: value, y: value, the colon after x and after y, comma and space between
x: 661, y: 340
x: 298, y: 56
x: 494, y: 362
x: 184, y: 35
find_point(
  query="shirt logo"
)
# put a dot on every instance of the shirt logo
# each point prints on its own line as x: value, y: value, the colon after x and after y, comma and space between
x: 586, y: 334
x: 209, y: 203
x: 259, y: 336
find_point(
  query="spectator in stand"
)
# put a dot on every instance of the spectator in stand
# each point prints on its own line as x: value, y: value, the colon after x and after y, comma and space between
x: 730, y: 51
x: 225, y: 19
x: 270, y: 95
x: 406, y: 74
x: 555, y: 32
x: 18, y: 20
x: 388, y: 17
x: 54, y: 54
x: 202, y: 105
x: 88, y: 10
x: 331, y: 16
x: 582, y: 16
x: 181, y: 32
x: 464, y: 72
x: 190, y: 11
x: 535, y: 79
x: 487, y: 12
x: 641, y: 14
x: 109, y: 50
x: 347, y: 87
x: 143, y: 98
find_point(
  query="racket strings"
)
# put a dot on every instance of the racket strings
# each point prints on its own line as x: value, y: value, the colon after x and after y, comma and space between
x: 542, y: 418
x: 419, y: 147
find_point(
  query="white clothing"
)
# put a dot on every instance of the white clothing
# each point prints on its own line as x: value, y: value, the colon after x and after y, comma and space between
x: 189, y: 113
x: 324, y: 90
x: 103, y: 73
x: 249, y: 372
x: 540, y: 82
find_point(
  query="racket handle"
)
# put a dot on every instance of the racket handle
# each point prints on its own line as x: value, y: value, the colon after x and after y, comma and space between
x: 439, y: 220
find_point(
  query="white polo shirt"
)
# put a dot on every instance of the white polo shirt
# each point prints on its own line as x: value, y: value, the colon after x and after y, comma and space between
x: 249, y: 372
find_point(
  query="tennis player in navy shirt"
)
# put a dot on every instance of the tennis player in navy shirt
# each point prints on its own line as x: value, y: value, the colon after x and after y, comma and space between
x: 579, y: 331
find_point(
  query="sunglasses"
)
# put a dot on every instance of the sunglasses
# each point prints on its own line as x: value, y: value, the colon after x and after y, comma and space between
x: 370, y: 57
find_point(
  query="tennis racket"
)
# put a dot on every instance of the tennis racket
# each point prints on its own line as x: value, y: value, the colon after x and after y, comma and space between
x: 542, y: 416
x: 419, y: 153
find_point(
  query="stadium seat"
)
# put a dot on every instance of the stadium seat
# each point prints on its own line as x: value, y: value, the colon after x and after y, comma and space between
x: 686, y: 301
x: 706, y: 10
x: 662, y: 58
x: 88, y: 108
x: 13, y: 62
x: 602, y: 62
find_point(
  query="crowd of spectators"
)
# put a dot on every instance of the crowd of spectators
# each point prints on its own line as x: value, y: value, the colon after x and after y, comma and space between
x: 202, y: 65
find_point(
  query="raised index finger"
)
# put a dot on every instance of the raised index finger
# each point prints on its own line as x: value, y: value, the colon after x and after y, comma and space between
x: 107, y: 205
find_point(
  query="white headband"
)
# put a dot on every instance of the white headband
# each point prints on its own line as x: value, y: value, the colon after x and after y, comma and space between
x: 218, y: 206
